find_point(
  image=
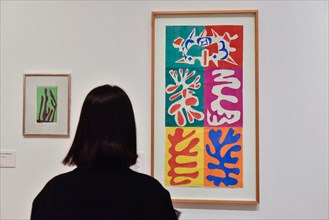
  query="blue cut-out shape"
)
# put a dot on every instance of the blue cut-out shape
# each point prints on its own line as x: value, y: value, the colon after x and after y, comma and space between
x: 223, y: 49
x: 188, y: 42
x: 230, y: 138
x: 204, y: 41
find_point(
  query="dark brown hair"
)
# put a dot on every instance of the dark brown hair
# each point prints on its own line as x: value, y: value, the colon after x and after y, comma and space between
x: 106, y: 133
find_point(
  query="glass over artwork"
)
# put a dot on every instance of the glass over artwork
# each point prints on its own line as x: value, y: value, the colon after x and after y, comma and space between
x: 205, y: 105
x: 46, y: 104
x: 204, y: 115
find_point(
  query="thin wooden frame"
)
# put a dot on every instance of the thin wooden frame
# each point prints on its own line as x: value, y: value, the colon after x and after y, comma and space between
x: 46, y: 105
x: 249, y: 192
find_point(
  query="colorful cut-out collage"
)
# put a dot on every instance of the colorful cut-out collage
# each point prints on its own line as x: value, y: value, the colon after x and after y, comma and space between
x: 204, y: 106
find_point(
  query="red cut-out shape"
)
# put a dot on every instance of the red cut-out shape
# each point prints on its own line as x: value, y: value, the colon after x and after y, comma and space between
x: 196, y: 115
x: 173, y: 97
x: 178, y: 41
x: 172, y: 88
x: 176, y: 140
x: 174, y: 108
x: 180, y: 118
x: 184, y: 92
x: 191, y: 101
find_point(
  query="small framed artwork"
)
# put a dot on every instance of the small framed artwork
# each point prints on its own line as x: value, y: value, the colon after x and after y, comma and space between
x: 205, y: 105
x: 46, y: 105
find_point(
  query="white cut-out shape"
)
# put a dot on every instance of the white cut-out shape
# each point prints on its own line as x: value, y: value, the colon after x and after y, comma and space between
x: 226, y: 81
x: 202, y: 40
x: 185, y: 98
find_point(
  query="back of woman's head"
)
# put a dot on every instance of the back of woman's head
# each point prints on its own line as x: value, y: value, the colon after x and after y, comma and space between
x: 106, y: 133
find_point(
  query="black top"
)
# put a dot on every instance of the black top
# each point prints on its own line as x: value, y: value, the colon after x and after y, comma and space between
x: 103, y: 194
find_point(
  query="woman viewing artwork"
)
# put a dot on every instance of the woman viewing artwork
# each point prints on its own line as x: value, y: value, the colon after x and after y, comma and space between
x: 102, y: 186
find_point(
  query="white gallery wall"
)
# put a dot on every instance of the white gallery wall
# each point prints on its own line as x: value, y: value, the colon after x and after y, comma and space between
x: 109, y: 42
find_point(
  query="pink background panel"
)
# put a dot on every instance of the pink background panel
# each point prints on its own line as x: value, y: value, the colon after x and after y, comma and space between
x: 209, y: 97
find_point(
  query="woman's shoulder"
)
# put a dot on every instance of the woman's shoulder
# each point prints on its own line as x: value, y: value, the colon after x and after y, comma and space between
x: 60, y: 179
x: 50, y: 188
x: 117, y: 178
x: 146, y: 181
x: 144, y: 177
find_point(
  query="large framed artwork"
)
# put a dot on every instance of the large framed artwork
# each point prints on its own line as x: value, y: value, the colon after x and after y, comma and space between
x: 46, y: 105
x: 205, y: 105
